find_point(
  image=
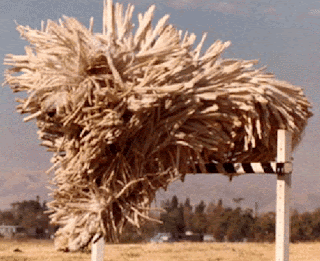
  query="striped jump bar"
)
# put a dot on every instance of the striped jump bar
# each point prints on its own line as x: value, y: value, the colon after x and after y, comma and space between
x: 249, y: 168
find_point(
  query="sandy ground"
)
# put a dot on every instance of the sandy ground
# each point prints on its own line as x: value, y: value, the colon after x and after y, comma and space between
x: 44, y: 250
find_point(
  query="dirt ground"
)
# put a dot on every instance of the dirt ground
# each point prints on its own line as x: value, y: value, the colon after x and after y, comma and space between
x: 38, y: 250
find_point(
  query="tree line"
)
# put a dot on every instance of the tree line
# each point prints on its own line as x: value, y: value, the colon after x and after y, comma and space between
x: 29, y: 214
x: 224, y: 223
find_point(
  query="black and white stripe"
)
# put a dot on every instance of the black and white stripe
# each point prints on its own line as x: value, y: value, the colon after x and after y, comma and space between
x: 248, y: 168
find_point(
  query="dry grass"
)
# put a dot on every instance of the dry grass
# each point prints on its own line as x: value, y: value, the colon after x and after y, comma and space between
x: 44, y: 250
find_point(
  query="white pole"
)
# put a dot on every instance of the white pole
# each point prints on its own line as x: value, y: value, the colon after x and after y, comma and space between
x: 97, y: 249
x: 284, y: 152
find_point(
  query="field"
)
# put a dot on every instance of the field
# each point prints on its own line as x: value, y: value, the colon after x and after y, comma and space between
x: 38, y: 250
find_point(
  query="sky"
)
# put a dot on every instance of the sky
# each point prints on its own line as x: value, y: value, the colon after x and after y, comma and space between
x: 282, y: 35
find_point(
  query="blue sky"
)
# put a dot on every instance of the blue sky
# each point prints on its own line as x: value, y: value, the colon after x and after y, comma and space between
x: 283, y: 35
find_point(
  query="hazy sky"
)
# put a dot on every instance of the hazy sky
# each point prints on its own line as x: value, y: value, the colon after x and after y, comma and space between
x: 283, y: 35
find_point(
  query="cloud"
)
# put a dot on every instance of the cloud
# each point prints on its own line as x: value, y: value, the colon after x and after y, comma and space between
x: 314, y: 12
x: 272, y: 11
x: 226, y: 8
x: 235, y: 7
x: 185, y: 4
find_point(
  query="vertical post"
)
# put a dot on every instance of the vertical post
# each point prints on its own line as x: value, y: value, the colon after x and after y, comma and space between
x: 97, y: 249
x: 283, y: 197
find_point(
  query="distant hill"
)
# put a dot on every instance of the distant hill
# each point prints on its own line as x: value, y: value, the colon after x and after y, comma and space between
x: 20, y: 185
x: 253, y: 188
